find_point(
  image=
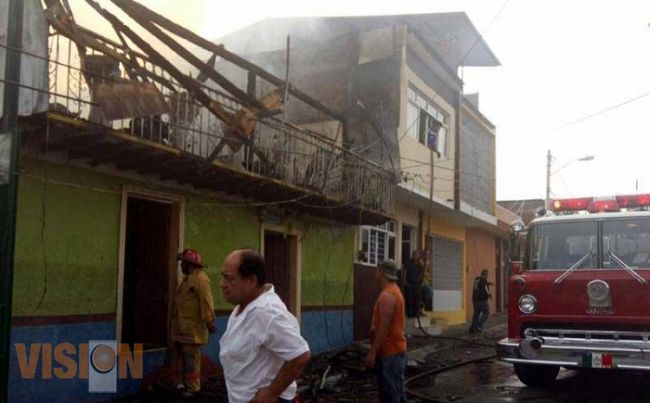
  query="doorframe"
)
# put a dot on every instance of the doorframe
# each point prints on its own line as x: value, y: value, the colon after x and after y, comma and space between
x: 152, y: 195
x: 295, y: 271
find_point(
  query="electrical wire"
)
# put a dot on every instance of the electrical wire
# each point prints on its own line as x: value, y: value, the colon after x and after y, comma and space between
x: 602, y: 111
x: 485, y: 31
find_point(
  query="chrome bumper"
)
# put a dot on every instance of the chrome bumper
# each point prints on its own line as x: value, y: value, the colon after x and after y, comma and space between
x: 570, y: 352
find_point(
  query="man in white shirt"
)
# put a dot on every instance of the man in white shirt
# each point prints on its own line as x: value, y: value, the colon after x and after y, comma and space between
x: 262, y: 352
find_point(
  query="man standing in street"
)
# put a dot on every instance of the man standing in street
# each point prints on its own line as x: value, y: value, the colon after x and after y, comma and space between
x: 480, y: 296
x: 262, y: 351
x: 192, y: 320
x: 388, y: 350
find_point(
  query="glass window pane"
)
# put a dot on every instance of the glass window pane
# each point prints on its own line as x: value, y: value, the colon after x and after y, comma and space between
x: 421, y: 101
x: 560, y: 245
x: 628, y: 240
x: 391, y: 247
x: 412, y: 120
x: 411, y: 94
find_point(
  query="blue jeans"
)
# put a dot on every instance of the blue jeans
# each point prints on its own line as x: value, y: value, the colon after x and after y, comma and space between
x: 481, y: 314
x: 390, y: 378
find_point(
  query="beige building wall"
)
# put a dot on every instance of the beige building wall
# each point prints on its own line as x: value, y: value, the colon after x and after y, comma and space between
x: 415, y: 157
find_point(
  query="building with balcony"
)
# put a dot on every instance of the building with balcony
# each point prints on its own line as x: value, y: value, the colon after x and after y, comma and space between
x: 396, y: 80
x: 134, y: 158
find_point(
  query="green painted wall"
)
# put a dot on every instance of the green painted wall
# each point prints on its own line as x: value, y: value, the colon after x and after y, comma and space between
x: 78, y: 245
x: 74, y: 244
x: 327, y: 256
x: 215, y: 229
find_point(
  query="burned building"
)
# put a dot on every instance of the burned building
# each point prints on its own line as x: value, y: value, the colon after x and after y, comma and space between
x: 396, y: 80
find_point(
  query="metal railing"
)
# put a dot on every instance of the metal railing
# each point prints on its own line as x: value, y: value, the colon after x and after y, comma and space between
x: 276, y: 149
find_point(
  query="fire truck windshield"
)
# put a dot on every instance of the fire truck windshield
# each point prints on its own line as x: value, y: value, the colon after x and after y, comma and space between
x: 589, y: 244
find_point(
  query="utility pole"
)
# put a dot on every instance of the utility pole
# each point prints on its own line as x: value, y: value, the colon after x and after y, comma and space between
x: 9, y: 151
x: 549, y: 161
x: 430, y: 203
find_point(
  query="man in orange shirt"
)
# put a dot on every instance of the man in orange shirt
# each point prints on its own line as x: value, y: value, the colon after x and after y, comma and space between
x: 388, y: 351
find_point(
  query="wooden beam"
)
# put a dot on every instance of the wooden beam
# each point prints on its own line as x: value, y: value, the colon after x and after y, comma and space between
x: 204, y: 68
x: 231, y: 57
x: 191, y: 85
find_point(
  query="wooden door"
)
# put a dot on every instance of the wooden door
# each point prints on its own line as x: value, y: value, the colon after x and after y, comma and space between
x: 277, y: 256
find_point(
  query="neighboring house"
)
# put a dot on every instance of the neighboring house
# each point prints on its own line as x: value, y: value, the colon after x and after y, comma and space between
x: 526, y: 208
x: 395, y: 79
x: 105, y: 206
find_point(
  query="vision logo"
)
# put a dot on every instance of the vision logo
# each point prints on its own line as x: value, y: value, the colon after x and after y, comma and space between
x: 102, y: 362
x: 102, y: 376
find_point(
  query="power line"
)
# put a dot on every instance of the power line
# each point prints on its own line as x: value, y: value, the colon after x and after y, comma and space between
x: 485, y: 30
x: 609, y: 108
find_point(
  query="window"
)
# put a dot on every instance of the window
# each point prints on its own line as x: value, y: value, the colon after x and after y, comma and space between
x: 627, y: 240
x: 422, y: 115
x: 559, y: 246
x: 378, y: 243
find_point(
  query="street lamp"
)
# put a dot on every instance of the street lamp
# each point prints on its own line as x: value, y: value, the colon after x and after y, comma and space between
x: 549, y: 162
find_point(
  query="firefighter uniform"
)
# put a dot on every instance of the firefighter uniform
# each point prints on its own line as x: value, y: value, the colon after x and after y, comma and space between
x: 192, y: 314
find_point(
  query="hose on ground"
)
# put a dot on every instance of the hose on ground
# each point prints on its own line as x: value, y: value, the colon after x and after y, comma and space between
x: 434, y: 372
x: 423, y: 330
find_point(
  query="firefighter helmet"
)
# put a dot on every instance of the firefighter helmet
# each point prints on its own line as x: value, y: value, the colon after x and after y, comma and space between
x: 190, y: 256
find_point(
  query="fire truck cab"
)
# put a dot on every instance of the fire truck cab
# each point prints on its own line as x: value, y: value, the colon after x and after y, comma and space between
x: 581, y: 296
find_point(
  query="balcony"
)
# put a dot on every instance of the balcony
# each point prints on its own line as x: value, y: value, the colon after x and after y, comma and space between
x: 144, y: 121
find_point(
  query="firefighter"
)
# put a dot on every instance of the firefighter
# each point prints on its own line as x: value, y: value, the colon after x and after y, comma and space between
x: 192, y: 320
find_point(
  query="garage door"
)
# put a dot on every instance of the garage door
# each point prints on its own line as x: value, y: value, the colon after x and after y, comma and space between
x: 447, y: 279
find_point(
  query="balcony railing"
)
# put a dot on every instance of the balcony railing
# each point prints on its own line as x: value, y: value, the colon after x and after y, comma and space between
x: 105, y: 94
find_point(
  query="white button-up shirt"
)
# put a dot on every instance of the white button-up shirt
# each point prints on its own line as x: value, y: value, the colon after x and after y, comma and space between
x: 256, y: 344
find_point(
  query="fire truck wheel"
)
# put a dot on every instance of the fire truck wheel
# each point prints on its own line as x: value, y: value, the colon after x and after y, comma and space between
x: 536, y: 376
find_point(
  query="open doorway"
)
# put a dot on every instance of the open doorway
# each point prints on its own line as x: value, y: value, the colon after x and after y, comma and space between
x: 408, y: 243
x: 151, y: 239
x: 280, y: 256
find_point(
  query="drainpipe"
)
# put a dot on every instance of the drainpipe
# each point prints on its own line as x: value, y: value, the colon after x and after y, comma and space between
x: 9, y: 184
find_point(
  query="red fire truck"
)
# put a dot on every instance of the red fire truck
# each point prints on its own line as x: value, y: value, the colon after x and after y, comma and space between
x: 580, y: 298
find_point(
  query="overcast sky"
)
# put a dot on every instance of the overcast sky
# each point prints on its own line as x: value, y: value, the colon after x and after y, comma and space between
x: 561, y: 61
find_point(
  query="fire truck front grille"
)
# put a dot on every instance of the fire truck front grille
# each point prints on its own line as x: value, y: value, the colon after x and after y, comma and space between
x: 560, y: 334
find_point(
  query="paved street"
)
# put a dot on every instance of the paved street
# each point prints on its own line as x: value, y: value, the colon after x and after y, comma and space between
x: 495, y: 381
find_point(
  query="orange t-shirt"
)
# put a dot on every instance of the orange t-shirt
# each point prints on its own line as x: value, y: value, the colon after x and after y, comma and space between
x: 395, y: 341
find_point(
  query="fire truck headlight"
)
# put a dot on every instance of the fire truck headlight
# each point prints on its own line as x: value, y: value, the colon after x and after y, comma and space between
x: 527, y: 304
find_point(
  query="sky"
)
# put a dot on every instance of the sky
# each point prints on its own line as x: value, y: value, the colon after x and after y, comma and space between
x: 562, y: 62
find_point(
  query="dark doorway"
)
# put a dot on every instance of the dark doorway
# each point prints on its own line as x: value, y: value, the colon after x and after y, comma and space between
x: 366, y: 291
x: 408, y: 243
x: 278, y: 259
x: 147, y: 258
